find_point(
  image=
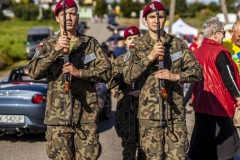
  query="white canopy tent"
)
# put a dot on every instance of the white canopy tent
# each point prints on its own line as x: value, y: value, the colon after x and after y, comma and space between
x: 180, y: 28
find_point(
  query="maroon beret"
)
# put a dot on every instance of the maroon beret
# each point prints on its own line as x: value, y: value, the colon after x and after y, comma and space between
x: 130, y: 31
x: 59, y: 6
x: 153, y: 6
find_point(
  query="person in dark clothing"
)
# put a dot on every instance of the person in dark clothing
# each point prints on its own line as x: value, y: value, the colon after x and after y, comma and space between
x: 215, y: 98
x: 120, y: 49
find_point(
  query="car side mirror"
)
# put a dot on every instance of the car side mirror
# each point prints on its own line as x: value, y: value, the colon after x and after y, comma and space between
x: 5, y: 80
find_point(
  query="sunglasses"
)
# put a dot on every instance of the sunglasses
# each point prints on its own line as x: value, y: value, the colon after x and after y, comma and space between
x: 223, y: 32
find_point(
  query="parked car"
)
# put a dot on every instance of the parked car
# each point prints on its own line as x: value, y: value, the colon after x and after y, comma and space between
x: 82, y: 26
x: 111, y: 42
x: 120, y: 30
x: 112, y: 25
x: 8, y: 13
x: 34, y: 36
x: 23, y: 103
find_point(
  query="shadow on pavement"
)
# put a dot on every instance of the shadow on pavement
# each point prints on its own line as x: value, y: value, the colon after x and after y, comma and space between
x: 25, y: 138
x: 104, y: 125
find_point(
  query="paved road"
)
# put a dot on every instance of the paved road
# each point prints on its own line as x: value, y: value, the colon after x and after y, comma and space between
x: 32, y: 147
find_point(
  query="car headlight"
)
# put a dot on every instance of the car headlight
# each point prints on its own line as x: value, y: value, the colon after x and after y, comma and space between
x: 28, y: 50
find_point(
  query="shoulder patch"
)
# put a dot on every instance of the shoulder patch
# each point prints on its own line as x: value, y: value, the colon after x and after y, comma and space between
x: 127, y: 56
x: 36, y: 54
x: 40, y: 45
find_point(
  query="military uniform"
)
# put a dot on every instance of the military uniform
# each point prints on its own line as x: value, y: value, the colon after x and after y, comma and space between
x: 157, y: 141
x: 87, y: 55
x: 126, y: 123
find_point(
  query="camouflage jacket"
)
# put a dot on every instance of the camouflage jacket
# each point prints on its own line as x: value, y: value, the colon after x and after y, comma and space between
x: 47, y: 63
x: 123, y: 99
x: 178, y: 59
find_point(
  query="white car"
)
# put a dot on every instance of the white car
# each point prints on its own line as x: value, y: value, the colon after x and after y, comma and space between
x: 8, y: 13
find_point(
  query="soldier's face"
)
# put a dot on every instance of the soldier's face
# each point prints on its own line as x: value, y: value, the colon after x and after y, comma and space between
x: 71, y: 19
x: 151, y: 20
x: 129, y: 40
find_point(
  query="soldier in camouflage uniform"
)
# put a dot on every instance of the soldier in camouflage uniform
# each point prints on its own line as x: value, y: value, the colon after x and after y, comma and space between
x: 163, y: 132
x: 126, y: 124
x: 71, y: 119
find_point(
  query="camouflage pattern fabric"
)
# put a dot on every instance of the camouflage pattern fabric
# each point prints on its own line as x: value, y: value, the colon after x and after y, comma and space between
x: 48, y: 64
x: 156, y: 143
x: 179, y: 60
x: 125, y: 122
x: 138, y: 66
x: 60, y: 142
x: 86, y: 54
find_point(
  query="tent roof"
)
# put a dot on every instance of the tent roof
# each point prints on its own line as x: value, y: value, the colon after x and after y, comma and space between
x: 180, y: 27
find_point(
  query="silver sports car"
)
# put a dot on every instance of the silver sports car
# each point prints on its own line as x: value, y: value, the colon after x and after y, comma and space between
x: 23, y: 103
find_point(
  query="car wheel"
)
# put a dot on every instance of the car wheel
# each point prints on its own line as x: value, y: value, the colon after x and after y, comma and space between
x: 107, y: 109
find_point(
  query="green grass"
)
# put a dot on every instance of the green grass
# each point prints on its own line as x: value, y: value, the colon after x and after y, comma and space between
x: 13, y: 33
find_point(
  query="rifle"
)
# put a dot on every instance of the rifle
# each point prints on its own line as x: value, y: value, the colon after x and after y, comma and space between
x: 133, y: 109
x: 66, y: 59
x: 162, y: 89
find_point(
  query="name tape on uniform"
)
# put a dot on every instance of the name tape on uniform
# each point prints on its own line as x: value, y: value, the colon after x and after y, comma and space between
x: 176, y: 56
x: 88, y: 58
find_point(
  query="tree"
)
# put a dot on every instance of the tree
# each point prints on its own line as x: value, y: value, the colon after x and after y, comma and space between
x: 195, y: 7
x: 214, y: 7
x: 128, y: 6
x: 180, y: 6
x: 101, y: 7
x: 224, y: 10
x: 114, y: 4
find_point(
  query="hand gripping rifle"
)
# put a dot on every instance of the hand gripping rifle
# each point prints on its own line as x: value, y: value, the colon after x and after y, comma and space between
x: 162, y: 89
x: 66, y: 59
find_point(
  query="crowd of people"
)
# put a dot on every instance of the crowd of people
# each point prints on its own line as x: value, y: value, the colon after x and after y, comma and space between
x: 150, y: 117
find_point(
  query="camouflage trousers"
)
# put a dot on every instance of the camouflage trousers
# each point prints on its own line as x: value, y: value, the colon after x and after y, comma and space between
x: 159, y: 144
x: 126, y: 126
x: 73, y: 143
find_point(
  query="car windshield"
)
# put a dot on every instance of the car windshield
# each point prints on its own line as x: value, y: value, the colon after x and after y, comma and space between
x: 36, y: 38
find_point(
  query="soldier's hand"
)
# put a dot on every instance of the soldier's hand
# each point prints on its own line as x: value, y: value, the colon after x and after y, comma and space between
x: 158, y: 50
x: 166, y: 74
x: 63, y: 42
x: 69, y: 68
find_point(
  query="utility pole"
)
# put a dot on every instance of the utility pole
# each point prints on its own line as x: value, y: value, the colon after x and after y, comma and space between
x: 224, y: 10
x: 171, y: 15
